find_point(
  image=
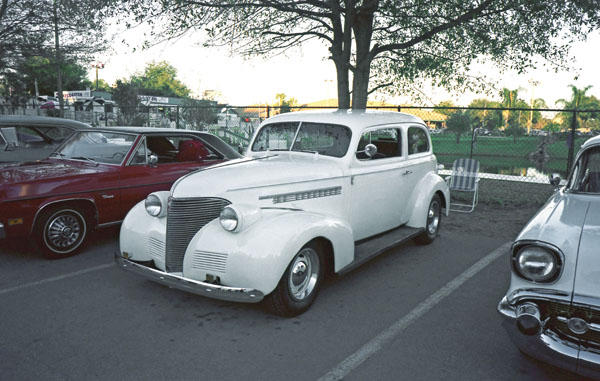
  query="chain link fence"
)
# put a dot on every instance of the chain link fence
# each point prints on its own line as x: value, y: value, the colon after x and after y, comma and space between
x: 517, y: 148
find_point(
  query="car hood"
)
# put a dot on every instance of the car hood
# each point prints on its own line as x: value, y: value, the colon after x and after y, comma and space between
x: 32, y: 177
x: 264, y: 175
x: 571, y: 222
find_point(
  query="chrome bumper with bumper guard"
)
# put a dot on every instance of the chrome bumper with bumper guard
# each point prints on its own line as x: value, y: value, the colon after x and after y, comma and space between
x: 549, y: 347
x: 234, y: 294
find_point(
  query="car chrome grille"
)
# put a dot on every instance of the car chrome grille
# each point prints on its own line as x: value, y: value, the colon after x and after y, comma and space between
x: 555, y: 310
x: 207, y: 261
x: 184, y: 218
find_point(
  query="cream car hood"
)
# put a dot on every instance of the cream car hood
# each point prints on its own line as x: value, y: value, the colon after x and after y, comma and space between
x: 264, y: 175
x: 571, y: 222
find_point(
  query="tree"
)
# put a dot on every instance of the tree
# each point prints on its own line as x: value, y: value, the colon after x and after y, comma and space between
x: 384, y: 44
x: 580, y: 101
x: 443, y: 108
x: 459, y: 123
x: 43, y: 70
x: 125, y: 94
x: 482, y: 118
x: 63, y: 31
x: 285, y: 105
x: 160, y: 79
x: 200, y: 113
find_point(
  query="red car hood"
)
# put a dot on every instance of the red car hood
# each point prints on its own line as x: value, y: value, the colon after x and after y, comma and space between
x: 18, y: 180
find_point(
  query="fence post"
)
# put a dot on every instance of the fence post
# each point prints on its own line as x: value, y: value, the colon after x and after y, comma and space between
x: 177, y: 118
x: 105, y: 117
x: 571, y: 141
x: 268, y: 111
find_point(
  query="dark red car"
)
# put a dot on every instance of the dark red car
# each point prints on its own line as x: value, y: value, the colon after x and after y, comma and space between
x: 94, y: 178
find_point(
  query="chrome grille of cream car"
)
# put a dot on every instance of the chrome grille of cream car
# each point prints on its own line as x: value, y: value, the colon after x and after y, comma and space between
x: 559, y: 314
x: 184, y: 218
x: 207, y: 261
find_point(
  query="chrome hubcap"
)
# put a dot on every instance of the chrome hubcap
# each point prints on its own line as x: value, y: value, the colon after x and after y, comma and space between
x: 433, y: 217
x: 304, y: 274
x: 63, y: 231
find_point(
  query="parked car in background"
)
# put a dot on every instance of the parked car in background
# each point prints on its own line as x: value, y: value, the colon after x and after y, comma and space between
x: 26, y: 138
x: 318, y: 192
x: 94, y: 178
x: 552, y: 307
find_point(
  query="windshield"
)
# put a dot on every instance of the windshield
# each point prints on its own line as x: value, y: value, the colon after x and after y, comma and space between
x: 325, y: 139
x: 586, y: 173
x: 96, y: 146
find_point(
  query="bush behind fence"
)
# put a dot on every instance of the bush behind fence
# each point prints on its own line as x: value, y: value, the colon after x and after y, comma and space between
x: 516, y: 155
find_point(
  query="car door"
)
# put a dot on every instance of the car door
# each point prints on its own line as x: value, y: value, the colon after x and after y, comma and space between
x: 178, y: 154
x: 379, y: 183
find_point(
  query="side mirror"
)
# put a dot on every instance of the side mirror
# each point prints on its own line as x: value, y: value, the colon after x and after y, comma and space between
x: 153, y: 160
x: 555, y: 179
x: 371, y: 150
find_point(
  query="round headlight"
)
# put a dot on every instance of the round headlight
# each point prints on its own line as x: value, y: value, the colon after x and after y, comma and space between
x: 536, y: 263
x: 153, y: 205
x: 229, y: 219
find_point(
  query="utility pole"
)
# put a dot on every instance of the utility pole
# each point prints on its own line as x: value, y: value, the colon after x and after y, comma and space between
x: 58, y: 61
x: 98, y: 65
x: 530, y: 122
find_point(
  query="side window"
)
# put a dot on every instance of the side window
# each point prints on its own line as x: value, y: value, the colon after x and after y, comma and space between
x: 586, y: 174
x: 417, y: 140
x: 387, y: 140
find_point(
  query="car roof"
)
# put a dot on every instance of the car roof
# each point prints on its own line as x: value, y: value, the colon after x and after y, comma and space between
x: 591, y: 142
x: 144, y: 130
x: 42, y: 121
x: 355, y: 119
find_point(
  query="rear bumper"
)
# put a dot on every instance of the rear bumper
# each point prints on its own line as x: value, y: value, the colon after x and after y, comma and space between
x: 234, y: 294
x: 550, y: 348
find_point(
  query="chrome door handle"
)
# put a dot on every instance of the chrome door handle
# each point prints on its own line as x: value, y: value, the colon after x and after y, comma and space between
x: 406, y: 173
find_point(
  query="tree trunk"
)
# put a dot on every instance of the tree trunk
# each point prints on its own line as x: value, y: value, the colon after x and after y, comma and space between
x: 363, y: 32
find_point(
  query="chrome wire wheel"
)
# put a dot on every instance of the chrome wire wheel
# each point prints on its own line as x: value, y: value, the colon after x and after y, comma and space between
x: 304, y: 273
x: 433, y: 217
x: 64, y: 231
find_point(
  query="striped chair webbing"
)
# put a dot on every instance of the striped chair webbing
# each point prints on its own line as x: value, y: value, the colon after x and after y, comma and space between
x: 464, y: 174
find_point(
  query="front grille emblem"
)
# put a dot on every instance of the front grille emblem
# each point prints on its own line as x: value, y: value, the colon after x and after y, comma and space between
x: 578, y: 326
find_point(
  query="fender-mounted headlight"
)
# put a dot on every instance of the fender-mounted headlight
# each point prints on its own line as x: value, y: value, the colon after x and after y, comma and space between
x: 156, y: 204
x: 536, y: 263
x: 229, y: 219
x: 236, y: 217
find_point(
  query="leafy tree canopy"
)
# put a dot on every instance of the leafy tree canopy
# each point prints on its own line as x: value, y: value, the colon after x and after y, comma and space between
x: 385, y: 44
x: 160, y: 79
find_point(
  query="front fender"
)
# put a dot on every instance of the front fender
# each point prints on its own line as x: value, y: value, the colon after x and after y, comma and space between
x: 257, y: 257
x: 428, y: 186
x: 143, y: 237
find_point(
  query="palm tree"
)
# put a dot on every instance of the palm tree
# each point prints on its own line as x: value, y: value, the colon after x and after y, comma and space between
x: 509, y: 100
x: 579, y: 101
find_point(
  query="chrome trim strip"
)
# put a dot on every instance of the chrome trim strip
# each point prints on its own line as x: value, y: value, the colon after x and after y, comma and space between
x: 106, y: 224
x: 538, y: 294
x: 303, y: 195
x: 234, y: 294
x: 290, y: 183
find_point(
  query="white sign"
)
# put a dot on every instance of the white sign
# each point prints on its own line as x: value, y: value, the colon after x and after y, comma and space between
x: 75, y: 94
x: 148, y: 99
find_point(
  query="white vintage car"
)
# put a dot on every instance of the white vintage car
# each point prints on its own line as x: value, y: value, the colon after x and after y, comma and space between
x: 317, y: 192
x: 552, y: 307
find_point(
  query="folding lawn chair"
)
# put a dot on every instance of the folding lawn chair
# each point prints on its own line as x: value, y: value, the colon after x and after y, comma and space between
x: 464, y: 179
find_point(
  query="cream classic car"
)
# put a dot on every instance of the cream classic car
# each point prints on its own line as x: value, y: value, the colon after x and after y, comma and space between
x: 317, y: 192
x: 552, y: 307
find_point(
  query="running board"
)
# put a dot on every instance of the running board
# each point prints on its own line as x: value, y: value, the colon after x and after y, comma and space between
x: 369, y: 249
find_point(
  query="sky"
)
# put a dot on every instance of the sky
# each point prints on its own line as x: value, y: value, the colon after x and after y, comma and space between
x: 304, y: 73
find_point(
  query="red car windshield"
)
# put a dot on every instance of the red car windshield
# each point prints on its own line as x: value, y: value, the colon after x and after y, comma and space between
x: 97, y: 146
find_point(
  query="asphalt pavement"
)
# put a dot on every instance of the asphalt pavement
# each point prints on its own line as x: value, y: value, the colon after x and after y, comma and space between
x: 416, y: 312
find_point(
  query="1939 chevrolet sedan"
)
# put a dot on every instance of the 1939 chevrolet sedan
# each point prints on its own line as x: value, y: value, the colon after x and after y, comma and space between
x: 317, y: 192
x: 552, y: 307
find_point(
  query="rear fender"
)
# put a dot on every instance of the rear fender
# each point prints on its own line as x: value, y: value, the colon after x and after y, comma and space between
x: 429, y: 186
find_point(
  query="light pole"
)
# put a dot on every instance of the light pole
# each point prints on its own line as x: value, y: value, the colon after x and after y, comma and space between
x: 533, y: 85
x: 98, y: 65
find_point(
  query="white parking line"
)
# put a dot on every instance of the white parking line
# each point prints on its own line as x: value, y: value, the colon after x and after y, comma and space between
x: 54, y: 279
x: 354, y: 360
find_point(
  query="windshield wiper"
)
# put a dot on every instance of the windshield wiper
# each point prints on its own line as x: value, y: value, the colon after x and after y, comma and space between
x: 85, y: 158
x: 62, y: 155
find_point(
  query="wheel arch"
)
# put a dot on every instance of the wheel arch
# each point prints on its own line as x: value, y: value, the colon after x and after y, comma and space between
x: 432, y: 184
x: 87, y: 205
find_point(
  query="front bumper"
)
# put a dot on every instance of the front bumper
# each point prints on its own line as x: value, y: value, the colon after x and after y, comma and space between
x: 234, y: 294
x: 549, y: 347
